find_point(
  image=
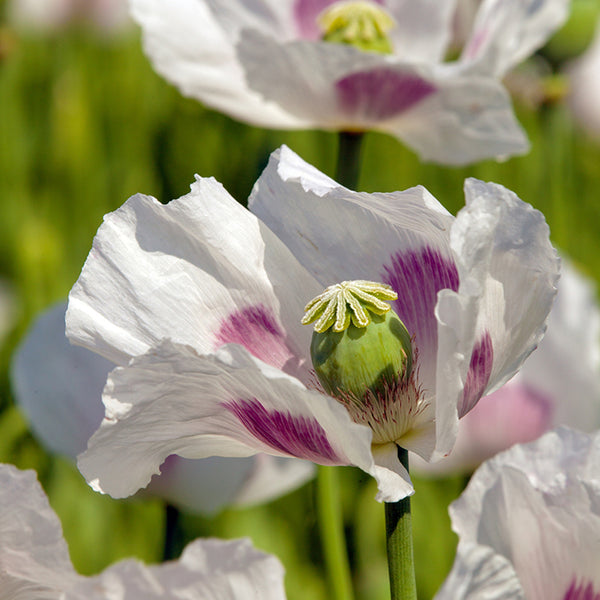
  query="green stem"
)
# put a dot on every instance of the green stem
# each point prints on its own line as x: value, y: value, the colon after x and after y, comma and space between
x: 331, y: 524
x: 398, y: 528
x: 173, y: 540
x: 348, y: 162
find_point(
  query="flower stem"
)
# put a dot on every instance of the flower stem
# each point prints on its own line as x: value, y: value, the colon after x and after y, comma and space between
x: 398, y: 528
x: 348, y: 161
x: 173, y: 534
x: 331, y: 526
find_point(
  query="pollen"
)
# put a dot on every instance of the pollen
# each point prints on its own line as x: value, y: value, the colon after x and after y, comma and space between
x: 348, y: 302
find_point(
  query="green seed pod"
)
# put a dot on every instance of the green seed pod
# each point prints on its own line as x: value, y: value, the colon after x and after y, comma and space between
x: 359, y: 343
x: 360, y: 358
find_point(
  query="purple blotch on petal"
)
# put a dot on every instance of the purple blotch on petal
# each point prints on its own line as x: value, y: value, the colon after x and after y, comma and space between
x: 417, y: 276
x: 581, y: 591
x: 306, y: 13
x: 380, y: 93
x: 478, y: 376
x: 298, y: 436
x: 256, y: 328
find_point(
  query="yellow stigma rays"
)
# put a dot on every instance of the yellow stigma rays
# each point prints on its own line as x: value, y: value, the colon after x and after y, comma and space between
x: 348, y: 302
x: 359, y: 23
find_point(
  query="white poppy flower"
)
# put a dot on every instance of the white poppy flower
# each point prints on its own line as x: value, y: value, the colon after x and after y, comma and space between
x: 558, y: 385
x: 200, y: 302
x: 265, y: 63
x: 529, y: 523
x: 59, y: 388
x: 106, y: 15
x: 35, y: 563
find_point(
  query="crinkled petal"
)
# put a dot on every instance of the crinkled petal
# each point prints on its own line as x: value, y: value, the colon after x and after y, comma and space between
x: 59, y: 387
x: 188, y: 47
x: 209, y: 568
x: 34, y: 558
x: 537, y: 505
x: 173, y: 401
x: 479, y: 573
x: 201, y: 271
x: 467, y: 119
x: 508, y: 272
x: 508, y: 31
x: 399, y: 238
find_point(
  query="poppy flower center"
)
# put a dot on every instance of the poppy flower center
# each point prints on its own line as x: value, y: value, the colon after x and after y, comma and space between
x: 358, y: 23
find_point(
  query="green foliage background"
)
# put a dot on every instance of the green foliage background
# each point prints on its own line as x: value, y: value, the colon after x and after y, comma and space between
x: 84, y: 124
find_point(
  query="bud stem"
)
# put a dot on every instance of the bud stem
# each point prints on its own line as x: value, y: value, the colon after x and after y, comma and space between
x: 348, y: 161
x: 398, y: 528
x: 331, y: 524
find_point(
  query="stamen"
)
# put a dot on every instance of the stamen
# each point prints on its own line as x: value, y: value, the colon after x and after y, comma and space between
x: 346, y: 302
x: 358, y: 23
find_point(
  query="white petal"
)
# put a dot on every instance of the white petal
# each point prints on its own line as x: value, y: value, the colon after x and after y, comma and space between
x: 468, y: 119
x: 210, y: 568
x: 201, y: 271
x: 173, y: 401
x: 34, y: 559
x: 273, y: 476
x: 399, y: 238
x: 508, y: 273
x: 537, y: 505
x: 480, y: 574
x: 507, y: 31
x: 58, y: 386
x: 566, y: 365
x: 422, y: 30
x: 187, y: 45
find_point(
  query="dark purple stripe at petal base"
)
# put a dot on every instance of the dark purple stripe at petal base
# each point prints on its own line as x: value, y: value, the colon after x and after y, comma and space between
x: 298, y: 436
x: 582, y: 591
x: 380, y: 94
x: 417, y: 276
x: 256, y: 328
x: 478, y: 376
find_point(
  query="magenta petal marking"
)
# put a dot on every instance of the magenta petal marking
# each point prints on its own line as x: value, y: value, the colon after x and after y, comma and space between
x: 298, y: 436
x: 306, y: 13
x: 581, y: 591
x: 417, y: 276
x: 478, y: 376
x: 380, y: 93
x: 257, y: 330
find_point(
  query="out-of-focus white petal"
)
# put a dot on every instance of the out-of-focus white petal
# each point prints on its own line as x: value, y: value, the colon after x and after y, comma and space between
x: 467, y: 119
x: 201, y: 271
x: 173, y: 401
x: 35, y: 564
x: 508, y: 272
x: 59, y: 386
x: 479, y: 573
x: 507, y: 31
x: 537, y: 506
x: 189, y: 48
x: 34, y: 558
x: 210, y: 568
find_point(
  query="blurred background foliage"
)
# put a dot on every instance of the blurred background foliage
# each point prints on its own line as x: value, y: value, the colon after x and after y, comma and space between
x: 85, y: 123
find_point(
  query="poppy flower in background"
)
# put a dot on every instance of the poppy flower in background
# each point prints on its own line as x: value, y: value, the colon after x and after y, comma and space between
x: 529, y: 523
x: 200, y: 302
x: 270, y: 63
